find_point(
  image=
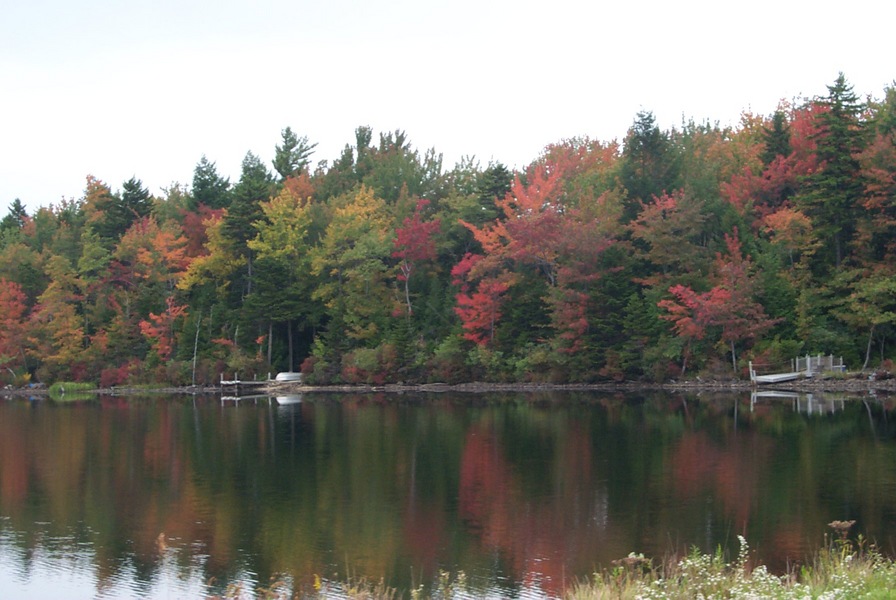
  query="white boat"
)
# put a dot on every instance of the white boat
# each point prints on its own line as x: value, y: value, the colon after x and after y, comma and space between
x: 289, y: 376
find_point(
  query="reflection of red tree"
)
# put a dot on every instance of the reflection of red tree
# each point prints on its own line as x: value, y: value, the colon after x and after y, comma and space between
x: 424, y: 532
x: 13, y: 467
x: 731, y: 470
x: 538, y: 539
x: 693, y: 463
x: 484, y: 486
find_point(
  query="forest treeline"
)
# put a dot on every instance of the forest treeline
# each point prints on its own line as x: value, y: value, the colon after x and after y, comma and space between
x: 673, y: 253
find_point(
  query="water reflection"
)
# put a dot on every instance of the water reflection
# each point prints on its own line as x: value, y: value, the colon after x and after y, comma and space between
x: 187, y: 496
x: 803, y: 402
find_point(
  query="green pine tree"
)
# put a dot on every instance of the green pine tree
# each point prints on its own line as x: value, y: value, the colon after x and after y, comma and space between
x: 292, y: 156
x: 209, y: 188
x: 833, y: 192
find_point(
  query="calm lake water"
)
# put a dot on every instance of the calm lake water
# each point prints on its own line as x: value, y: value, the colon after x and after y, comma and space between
x: 174, y: 497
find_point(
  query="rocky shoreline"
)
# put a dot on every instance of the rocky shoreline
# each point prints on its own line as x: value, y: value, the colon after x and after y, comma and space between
x: 854, y: 385
x: 850, y: 385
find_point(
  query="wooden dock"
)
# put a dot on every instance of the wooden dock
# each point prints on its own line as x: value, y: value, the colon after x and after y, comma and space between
x: 800, y: 367
x: 238, y: 387
x: 775, y: 377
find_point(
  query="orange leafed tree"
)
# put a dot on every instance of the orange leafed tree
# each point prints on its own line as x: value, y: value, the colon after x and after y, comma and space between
x: 159, y: 329
x: 56, y: 329
x: 479, y: 307
x: 539, y: 231
x: 760, y: 192
x: 12, y: 323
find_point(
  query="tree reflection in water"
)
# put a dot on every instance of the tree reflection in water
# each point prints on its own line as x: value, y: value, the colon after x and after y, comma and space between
x: 517, y: 491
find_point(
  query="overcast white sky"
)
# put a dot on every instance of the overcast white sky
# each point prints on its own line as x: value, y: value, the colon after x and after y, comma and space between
x: 118, y: 88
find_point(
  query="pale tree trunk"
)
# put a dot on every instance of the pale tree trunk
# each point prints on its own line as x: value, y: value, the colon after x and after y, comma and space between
x: 407, y: 295
x: 406, y: 271
x: 196, y: 344
x: 289, y: 337
x: 868, y: 348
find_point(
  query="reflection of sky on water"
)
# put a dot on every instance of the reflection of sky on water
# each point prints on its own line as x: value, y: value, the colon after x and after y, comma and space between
x: 62, y: 567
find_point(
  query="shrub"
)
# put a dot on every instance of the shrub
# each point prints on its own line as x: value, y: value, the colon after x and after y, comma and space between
x: 447, y: 362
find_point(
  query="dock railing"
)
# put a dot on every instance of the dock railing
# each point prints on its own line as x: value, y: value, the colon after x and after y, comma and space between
x: 811, y: 365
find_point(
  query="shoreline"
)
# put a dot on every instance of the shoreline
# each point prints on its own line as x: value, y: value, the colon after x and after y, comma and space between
x: 857, y: 386
x: 273, y: 388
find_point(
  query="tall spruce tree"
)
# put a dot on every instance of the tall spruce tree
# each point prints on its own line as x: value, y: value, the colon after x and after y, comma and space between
x: 209, y: 188
x: 833, y: 192
x: 776, y: 138
x: 492, y: 184
x: 650, y: 166
x: 136, y: 201
x: 254, y: 187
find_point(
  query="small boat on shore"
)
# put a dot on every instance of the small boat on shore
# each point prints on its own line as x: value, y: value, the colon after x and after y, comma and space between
x: 289, y: 376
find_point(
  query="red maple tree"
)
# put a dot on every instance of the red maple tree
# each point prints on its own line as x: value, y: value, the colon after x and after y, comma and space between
x: 413, y: 244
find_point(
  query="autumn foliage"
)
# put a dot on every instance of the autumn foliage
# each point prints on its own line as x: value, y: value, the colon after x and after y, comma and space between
x: 670, y: 253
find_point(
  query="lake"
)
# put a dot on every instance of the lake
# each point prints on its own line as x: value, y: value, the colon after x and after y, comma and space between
x: 181, y: 497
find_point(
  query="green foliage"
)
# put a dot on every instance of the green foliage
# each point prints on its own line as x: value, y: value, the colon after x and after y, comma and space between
x: 14, y: 219
x: 776, y: 139
x: 844, y: 571
x: 650, y: 163
x: 486, y: 364
x: 254, y: 187
x: 70, y: 390
x: 448, y: 361
x: 491, y: 185
x: 832, y: 193
x: 292, y: 156
x: 209, y: 188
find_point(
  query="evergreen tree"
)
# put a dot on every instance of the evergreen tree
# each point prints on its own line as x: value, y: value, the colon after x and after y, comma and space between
x: 776, y: 138
x: 492, y: 184
x: 16, y: 217
x: 833, y: 193
x: 650, y: 166
x: 291, y: 157
x: 111, y: 215
x: 254, y: 187
x: 105, y: 212
x: 136, y: 201
x: 209, y: 188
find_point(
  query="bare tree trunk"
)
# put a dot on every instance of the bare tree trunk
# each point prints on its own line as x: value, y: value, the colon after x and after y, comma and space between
x: 407, y: 294
x: 868, y: 348
x: 289, y: 337
x: 196, y: 344
x: 270, y: 340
